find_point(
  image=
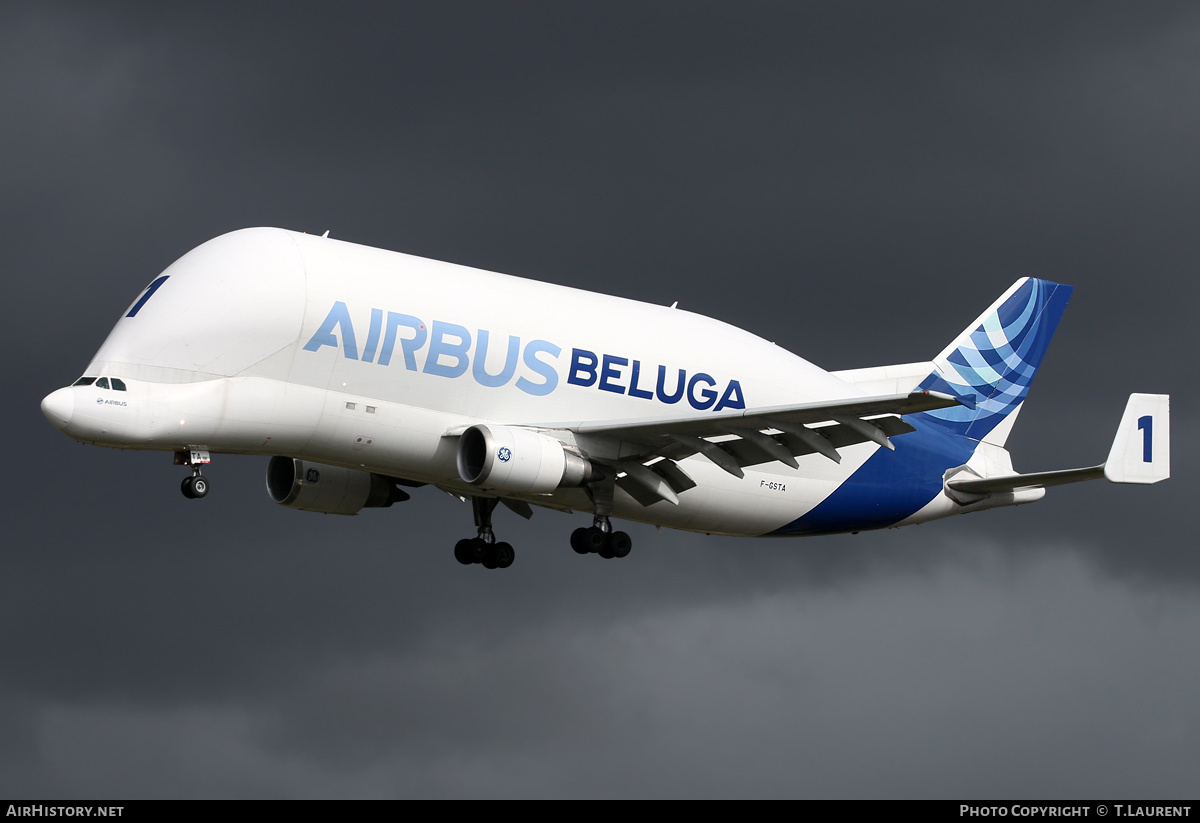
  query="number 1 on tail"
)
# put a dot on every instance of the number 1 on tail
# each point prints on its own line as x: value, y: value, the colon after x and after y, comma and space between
x: 1146, y: 424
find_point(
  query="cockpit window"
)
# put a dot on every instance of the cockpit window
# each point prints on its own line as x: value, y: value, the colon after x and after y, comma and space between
x: 114, y: 383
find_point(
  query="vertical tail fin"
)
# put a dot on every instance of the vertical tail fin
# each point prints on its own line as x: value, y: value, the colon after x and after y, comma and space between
x: 990, y: 366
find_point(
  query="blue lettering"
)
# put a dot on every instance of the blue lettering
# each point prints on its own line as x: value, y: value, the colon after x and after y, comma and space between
x: 732, y: 398
x: 707, y: 397
x: 582, y: 366
x: 634, y: 391
x: 449, y: 355
x: 373, y: 335
x: 408, y: 345
x: 608, y: 371
x: 661, y: 390
x: 338, y: 316
x: 1146, y: 424
x: 479, y: 367
x: 439, y: 347
x: 541, y: 367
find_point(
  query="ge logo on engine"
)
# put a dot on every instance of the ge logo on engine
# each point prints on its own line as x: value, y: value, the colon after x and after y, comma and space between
x: 505, y: 454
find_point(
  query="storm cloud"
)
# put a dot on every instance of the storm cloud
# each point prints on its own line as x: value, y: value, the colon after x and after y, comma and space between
x: 853, y: 182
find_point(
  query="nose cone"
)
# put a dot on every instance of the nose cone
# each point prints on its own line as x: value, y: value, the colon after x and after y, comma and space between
x: 58, y: 406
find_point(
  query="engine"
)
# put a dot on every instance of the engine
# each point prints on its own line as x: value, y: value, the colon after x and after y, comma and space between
x: 316, y: 487
x: 504, y: 458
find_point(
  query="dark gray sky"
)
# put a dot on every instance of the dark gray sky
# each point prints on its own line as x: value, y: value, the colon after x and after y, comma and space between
x: 853, y: 181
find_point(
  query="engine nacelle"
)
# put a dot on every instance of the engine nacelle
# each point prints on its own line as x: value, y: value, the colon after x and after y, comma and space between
x: 504, y: 458
x: 316, y: 487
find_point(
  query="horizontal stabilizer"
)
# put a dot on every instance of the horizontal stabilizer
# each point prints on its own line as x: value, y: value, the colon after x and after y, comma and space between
x: 1013, y: 482
x: 1141, y: 453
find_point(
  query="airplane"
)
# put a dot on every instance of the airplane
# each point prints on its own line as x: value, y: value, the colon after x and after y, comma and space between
x: 362, y: 372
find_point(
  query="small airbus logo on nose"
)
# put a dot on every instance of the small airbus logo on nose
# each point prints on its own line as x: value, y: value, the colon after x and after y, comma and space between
x: 100, y: 400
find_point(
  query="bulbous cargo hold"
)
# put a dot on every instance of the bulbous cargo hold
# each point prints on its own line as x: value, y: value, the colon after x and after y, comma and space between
x: 316, y: 487
x: 511, y: 459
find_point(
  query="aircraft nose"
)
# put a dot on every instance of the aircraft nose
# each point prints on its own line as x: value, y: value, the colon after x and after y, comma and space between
x: 58, y: 406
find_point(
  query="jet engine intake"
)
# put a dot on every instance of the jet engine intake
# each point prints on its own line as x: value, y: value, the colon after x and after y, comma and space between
x: 511, y: 459
x: 316, y: 487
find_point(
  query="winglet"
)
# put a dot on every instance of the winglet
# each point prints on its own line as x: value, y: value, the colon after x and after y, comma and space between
x: 1141, y: 451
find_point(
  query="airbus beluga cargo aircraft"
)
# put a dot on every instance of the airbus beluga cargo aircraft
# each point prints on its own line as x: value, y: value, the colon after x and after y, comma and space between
x: 363, y: 372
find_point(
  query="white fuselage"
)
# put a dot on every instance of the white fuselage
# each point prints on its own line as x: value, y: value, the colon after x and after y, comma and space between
x: 271, y: 342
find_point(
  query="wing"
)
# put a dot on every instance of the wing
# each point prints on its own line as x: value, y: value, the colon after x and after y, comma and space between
x: 647, y: 467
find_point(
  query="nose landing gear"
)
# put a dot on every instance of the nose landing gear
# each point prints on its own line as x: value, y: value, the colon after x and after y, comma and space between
x: 196, y: 486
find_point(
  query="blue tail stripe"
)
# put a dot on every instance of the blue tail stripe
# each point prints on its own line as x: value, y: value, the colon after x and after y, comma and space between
x: 891, y: 485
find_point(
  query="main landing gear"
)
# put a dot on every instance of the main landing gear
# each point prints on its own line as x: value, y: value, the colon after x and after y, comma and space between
x: 600, y: 539
x: 484, y: 549
x: 196, y: 486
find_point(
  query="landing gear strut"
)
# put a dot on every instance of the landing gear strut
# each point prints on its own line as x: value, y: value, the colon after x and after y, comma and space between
x: 196, y: 486
x: 600, y: 538
x: 483, y: 548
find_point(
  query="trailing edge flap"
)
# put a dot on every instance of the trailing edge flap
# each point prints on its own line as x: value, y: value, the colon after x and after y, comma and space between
x: 676, y: 438
x: 659, y: 481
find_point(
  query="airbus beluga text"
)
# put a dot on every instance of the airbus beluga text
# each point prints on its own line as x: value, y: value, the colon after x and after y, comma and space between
x: 363, y: 372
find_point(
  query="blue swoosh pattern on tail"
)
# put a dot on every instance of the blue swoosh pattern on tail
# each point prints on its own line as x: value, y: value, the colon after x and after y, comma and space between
x: 992, y: 372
